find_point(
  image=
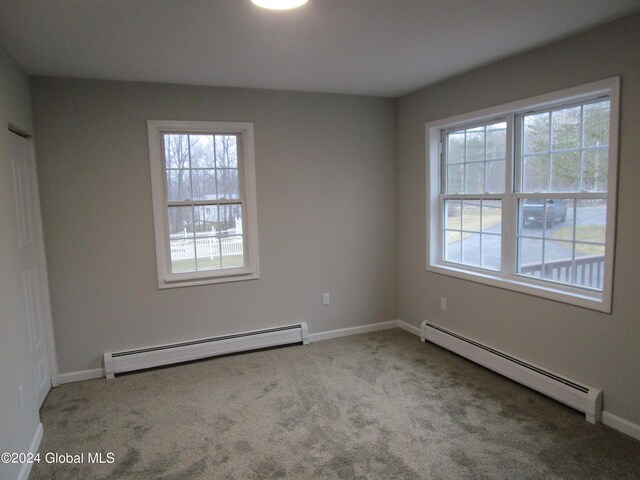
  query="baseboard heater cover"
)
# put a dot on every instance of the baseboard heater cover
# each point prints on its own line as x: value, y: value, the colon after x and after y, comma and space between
x: 579, y: 396
x: 149, y: 357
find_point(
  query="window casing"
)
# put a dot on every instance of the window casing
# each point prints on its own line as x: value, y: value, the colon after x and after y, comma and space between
x: 522, y: 196
x: 204, y: 202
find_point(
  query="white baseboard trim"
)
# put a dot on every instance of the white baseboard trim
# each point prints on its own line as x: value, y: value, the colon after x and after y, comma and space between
x: 408, y: 327
x: 94, y: 373
x: 344, y: 332
x: 33, y: 449
x: 620, y: 424
x: 81, y: 375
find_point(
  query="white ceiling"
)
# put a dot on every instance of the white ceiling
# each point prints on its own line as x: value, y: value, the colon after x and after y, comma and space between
x: 370, y: 47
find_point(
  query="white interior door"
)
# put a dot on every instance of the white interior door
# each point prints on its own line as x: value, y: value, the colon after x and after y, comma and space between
x: 33, y: 277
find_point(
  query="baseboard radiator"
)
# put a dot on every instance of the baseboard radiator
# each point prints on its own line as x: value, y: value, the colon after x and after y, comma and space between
x: 579, y: 396
x: 149, y: 357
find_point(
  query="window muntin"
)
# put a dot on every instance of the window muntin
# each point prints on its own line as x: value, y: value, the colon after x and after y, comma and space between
x: 204, y: 202
x: 560, y: 150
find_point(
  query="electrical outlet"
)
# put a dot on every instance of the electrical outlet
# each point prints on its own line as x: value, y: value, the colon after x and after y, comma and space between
x: 20, y: 396
x: 326, y: 299
x: 443, y: 303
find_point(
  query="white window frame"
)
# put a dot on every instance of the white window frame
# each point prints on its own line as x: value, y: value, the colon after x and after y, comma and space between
x: 507, y: 278
x: 247, y: 178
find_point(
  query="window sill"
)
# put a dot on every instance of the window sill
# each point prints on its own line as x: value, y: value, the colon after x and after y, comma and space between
x: 585, y: 299
x: 191, y: 282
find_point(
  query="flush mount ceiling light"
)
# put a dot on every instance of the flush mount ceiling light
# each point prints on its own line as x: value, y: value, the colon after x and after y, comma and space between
x: 279, y: 4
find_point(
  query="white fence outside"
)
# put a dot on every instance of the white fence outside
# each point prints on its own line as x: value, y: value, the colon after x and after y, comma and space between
x: 182, y: 247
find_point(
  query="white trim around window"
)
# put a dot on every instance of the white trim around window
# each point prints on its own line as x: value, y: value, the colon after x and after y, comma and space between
x: 213, y: 243
x: 506, y: 275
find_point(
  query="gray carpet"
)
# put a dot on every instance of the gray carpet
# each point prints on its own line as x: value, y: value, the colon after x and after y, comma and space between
x: 374, y: 406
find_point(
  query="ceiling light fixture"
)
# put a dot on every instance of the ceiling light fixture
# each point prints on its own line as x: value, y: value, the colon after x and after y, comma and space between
x: 279, y: 4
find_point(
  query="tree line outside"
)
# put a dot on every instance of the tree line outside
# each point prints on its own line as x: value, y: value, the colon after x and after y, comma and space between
x: 202, y: 167
x: 565, y: 150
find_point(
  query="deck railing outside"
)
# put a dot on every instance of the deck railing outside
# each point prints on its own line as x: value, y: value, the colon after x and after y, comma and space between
x: 587, y: 271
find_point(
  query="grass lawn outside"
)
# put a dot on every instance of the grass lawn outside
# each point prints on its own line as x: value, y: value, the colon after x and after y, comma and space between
x: 472, y: 222
x: 584, y: 233
x: 228, y: 261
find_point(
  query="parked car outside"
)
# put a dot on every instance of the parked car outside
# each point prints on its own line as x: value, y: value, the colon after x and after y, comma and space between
x: 536, y: 210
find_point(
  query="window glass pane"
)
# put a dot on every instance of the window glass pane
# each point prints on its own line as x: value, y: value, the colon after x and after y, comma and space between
x: 182, y: 256
x: 471, y: 211
x: 471, y: 249
x: 495, y: 176
x: 178, y: 185
x: 181, y: 242
x: 565, y: 127
x: 226, y: 151
x: 453, y: 215
x: 595, y: 170
x: 573, y: 264
x: 230, y: 215
x: 176, y: 151
x: 589, y: 269
x: 475, y: 159
x: 591, y: 223
x: 542, y: 217
x: 474, y: 178
x: 491, y: 216
x: 231, y: 236
x: 579, y: 142
x: 452, y: 250
x: 596, y: 124
x: 475, y: 145
x: 228, y: 186
x: 563, y: 218
x: 205, y: 219
x: 590, y: 236
x: 496, y: 143
x: 565, y: 172
x: 455, y: 178
x: 202, y: 153
x: 558, y: 261
x: 455, y: 147
x: 469, y: 246
x: 573, y: 245
x: 208, y: 252
x: 233, y: 245
x: 536, y: 133
x: 491, y: 251
x: 535, y: 174
x: 181, y: 220
x: 206, y: 237
x: 530, y: 256
x: 204, y: 184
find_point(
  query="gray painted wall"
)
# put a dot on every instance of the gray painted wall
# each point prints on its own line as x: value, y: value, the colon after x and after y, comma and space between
x: 17, y: 424
x: 327, y: 204
x: 599, y: 349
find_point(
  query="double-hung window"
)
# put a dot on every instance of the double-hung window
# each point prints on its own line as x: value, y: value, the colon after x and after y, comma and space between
x: 203, y: 186
x: 522, y: 196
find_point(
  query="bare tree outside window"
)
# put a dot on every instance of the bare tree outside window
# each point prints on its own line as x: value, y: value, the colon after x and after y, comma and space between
x: 203, y: 189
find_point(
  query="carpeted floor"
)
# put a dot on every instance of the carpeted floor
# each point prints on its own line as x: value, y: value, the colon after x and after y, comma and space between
x: 373, y: 406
